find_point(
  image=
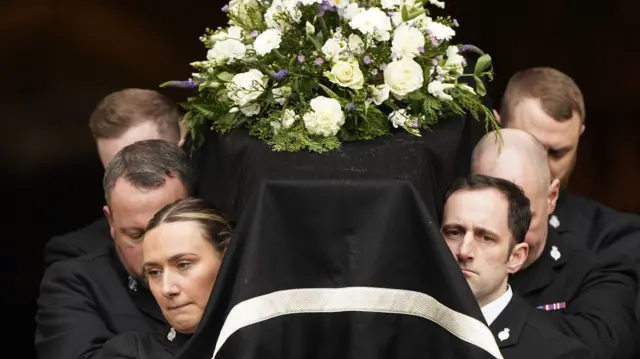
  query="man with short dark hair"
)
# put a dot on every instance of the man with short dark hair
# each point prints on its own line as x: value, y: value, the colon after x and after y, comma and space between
x: 120, y: 119
x: 86, y: 301
x: 588, y: 299
x: 485, y: 222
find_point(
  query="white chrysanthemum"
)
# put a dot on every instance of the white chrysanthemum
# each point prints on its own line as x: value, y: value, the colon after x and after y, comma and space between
x: 399, y: 118
x: 373, y: 22
x: 246, y: 87
x: 267, y: 41
x: 403, y: 77
x: 325, y: 118
x: 407, y: 41
x: 440, y: 31
x: 339, y: 4
x: 437, y: 88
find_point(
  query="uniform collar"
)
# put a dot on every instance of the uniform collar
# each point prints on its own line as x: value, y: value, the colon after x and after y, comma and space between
x: 544, y: 270
x: 493, y: 309
x: 509, y: 324
x: 138, y: 291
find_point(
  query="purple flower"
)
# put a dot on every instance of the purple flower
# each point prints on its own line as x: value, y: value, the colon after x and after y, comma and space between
x: 455, y: 23
x: 318, y: 61
x: 367, y: 60
x: 181, y: 84
x: 225, y: 8
x: 254, y: 33
x: 470, y: 48
x: 301, y: 58
x: 324, y: 6
x: 280, y: 74
x: 421, y: 49
x: 279, y: 7
x: 434, y: 62
x: 434, y: 41
x: 383, y: 66
x: 350, y: 107
x: 413, y: 123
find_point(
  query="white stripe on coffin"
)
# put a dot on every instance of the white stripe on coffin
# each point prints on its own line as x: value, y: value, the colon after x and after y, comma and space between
x: 357, y: 299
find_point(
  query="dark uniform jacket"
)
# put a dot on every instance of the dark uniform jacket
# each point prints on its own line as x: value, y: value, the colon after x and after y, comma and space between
x: 134, y: 345
x: 86, y: 301
x: 88, y: 239
x: 597, y: 226
x: 593, y: 301
x: 521, y: 333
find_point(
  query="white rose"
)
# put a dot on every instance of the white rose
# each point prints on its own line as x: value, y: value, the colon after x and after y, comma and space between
x: 246, y: 87
x: 407, y: 41
x: 403, y: 77
x: 379, y: 93
x: 326, y: 117
x: 440, y: 31
x: 267, y: 41
x: 226, y: 52
x: 436, y: 88
x: 281, y: 94
x: 346, y: 74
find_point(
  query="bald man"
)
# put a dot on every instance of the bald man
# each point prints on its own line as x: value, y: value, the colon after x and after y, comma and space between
x: 593, y: 301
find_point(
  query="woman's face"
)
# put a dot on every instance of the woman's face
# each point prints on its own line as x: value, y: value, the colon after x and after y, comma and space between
x: 181, y: 266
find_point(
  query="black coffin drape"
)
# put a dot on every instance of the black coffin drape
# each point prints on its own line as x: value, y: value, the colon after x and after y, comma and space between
x: 340, y: 269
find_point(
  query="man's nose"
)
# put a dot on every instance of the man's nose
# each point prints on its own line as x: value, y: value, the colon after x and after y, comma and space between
x: 465, y: 249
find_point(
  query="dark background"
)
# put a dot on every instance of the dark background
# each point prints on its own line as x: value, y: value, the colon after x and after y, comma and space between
x: 58, y: 58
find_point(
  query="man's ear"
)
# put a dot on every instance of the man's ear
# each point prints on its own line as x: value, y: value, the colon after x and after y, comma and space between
x: 107, y: 213
x: 497, y: 116
x: 554, y: 193
x: 183, y: 133
x: 517, y: 257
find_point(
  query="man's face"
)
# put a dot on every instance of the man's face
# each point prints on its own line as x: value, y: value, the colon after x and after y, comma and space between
x: 129, y: 211
x: 560, y: 139
x: 542, y: 196
x: 475, y: 227
x: 109, y: 147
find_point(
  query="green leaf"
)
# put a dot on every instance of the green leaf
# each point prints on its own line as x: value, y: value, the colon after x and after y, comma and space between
x: 416, y: 95
x: 329, y: 92
x: 483, y: 63
x: 481, y: 90
x: 227, y: 77
x: 405, y: 13
x: 415, y: 14
x: 206, y: 110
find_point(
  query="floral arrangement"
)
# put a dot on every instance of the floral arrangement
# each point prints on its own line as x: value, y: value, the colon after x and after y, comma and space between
x: 311, y: 74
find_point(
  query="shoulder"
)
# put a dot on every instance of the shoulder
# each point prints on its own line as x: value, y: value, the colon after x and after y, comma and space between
x: 604, y: 217
x: 87, y: 239
x: 82, y: 267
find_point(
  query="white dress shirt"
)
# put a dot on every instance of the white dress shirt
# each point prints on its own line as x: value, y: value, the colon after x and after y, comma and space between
x: 493, y: 309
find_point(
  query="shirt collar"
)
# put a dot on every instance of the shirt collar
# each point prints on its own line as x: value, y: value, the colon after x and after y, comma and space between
x: 493, y: 309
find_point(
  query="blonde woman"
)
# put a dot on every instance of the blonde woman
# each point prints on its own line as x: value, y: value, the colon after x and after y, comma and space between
x: 183, y: 248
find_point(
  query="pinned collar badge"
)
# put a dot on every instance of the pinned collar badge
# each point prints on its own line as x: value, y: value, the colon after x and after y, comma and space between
x: 133, y: 284
x: 555, y: 253
x: 172, y: 334
x: 504, y: 334
x: 554, y: 221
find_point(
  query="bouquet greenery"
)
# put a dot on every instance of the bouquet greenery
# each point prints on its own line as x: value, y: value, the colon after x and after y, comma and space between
x: 311, y: 74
